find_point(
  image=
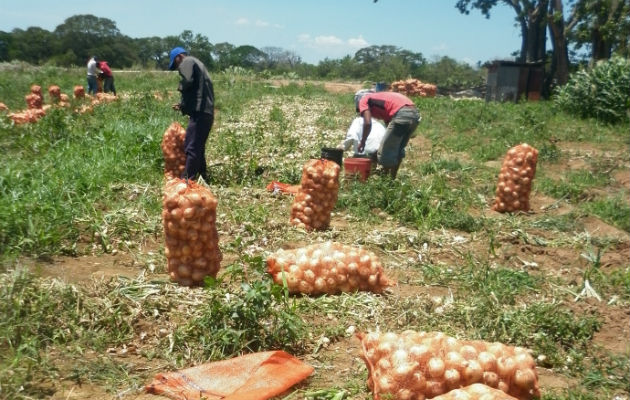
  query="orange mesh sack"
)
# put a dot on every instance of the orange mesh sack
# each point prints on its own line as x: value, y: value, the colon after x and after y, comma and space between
x: 173, y: 150
x: 317, y: 195
x: 192, y: 243
x: 476, y: 391
x: 256, y: 376
x: 34, y: 101
x: 78, y: 92
x: 54, y: 92
x: 423, y: 365
x: 36, y: 89
x: 328, y: 268
x: 515, y: 179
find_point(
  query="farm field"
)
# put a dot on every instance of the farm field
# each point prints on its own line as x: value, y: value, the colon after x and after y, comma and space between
x: 87, y: 310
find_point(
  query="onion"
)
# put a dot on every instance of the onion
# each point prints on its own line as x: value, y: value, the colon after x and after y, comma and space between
x: 491, y: 379
x: 506, y: 367
x: 184, y: 270
x: 418, y: 382
x: 454, y: 360
x: 452, y: 378
x: 473, y: 372
x: 487, y: 361
x: 524, y: 378
x: 468, y: 352
x: 434, y: 388
x: 404, y: 394
x: 436, y: 367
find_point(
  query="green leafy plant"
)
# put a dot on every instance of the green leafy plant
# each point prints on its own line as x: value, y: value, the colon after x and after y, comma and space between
x: 599, y: 92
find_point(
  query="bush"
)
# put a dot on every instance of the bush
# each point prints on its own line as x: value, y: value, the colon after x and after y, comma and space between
x: 601, y: 92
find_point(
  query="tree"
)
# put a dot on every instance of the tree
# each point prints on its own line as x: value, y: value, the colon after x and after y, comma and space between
x: 531, y: 15
x: 198, y: 46
x: 560, y: 56
x: 248, y: 57
x: 85, y: 35
x: 602, y: 25
x: 34, y: 45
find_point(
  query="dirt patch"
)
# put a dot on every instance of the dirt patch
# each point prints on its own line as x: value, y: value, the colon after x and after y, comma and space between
x: 597, y: 227
x: 85, y: 268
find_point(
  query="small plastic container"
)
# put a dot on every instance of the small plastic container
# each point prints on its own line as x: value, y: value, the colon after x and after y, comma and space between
x: 359, y: 167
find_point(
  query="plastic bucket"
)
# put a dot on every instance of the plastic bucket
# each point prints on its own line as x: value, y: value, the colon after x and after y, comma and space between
x: 359, y: 167
x: 333, y: 154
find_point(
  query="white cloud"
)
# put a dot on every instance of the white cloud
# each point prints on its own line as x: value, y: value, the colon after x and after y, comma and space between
x: 258, y: 23
x: 358, y: 42
x: 331, y: 42
x: 328, y: 41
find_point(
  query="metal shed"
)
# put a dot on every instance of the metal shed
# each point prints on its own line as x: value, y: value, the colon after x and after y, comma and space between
x: 512, y: 81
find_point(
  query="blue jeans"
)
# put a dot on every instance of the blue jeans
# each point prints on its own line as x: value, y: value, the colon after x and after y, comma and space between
x: 92, y: 85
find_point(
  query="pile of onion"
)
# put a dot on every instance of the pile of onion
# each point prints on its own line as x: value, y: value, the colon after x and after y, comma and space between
x: 317, y: 195
x: 79, y: 92
x: 173, y: 150
x: 192, y: 242
x: 54, y: 92
x: 419, y: 365
x: 3, y: 107
x: 29, y: 115
x: 327, y: 268
x: 476, y: 391
x: 515, y: 179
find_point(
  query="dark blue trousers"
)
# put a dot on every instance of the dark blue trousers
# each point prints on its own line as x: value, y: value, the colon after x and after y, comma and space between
x: 197, y: 132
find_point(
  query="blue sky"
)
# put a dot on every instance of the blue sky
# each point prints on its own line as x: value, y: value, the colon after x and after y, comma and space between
x: 312, y: 29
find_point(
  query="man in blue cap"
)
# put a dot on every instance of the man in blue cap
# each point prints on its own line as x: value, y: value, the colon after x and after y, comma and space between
x: 197, y: 101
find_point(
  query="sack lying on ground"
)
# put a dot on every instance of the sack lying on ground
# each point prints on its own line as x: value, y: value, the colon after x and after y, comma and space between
x: 257, y: 376
x: 328, y: 268
x: 423, y: 365
x: 515, y: 179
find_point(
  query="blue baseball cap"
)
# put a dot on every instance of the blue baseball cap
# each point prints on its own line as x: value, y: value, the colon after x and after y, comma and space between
x: 174, y: 53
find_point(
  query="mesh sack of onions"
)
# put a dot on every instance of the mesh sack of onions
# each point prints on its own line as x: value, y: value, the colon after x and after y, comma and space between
x: 34, y: 101
x: 54, y: 92
x: 476, y: 391
x: 192, y: 242
x: 515, y: 179
x: 423, y: 365
x: 173, y: 150
x: 328, y: 268
x: 36, y: 89
x: 317, y: 195
x: 78, y: 92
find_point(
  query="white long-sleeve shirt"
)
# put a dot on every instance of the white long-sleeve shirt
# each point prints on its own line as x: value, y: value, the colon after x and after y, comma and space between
x: 355, y: 133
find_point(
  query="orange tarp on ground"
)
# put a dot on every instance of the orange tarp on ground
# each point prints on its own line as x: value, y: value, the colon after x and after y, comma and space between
x: 256, y: 376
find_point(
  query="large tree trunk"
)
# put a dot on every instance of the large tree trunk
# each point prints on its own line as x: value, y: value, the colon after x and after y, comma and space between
x: 560, y: 60
x: 537, y: 32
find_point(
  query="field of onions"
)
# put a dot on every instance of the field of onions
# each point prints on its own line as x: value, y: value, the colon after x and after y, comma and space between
x: 480, y: 273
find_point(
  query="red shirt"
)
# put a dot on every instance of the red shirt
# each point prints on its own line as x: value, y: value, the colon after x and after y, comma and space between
x: 384, y: 105
x: 105, y: 68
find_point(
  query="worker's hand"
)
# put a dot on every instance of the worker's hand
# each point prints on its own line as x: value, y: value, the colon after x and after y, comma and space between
x: 361, y: 147
x: 176, y: 107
